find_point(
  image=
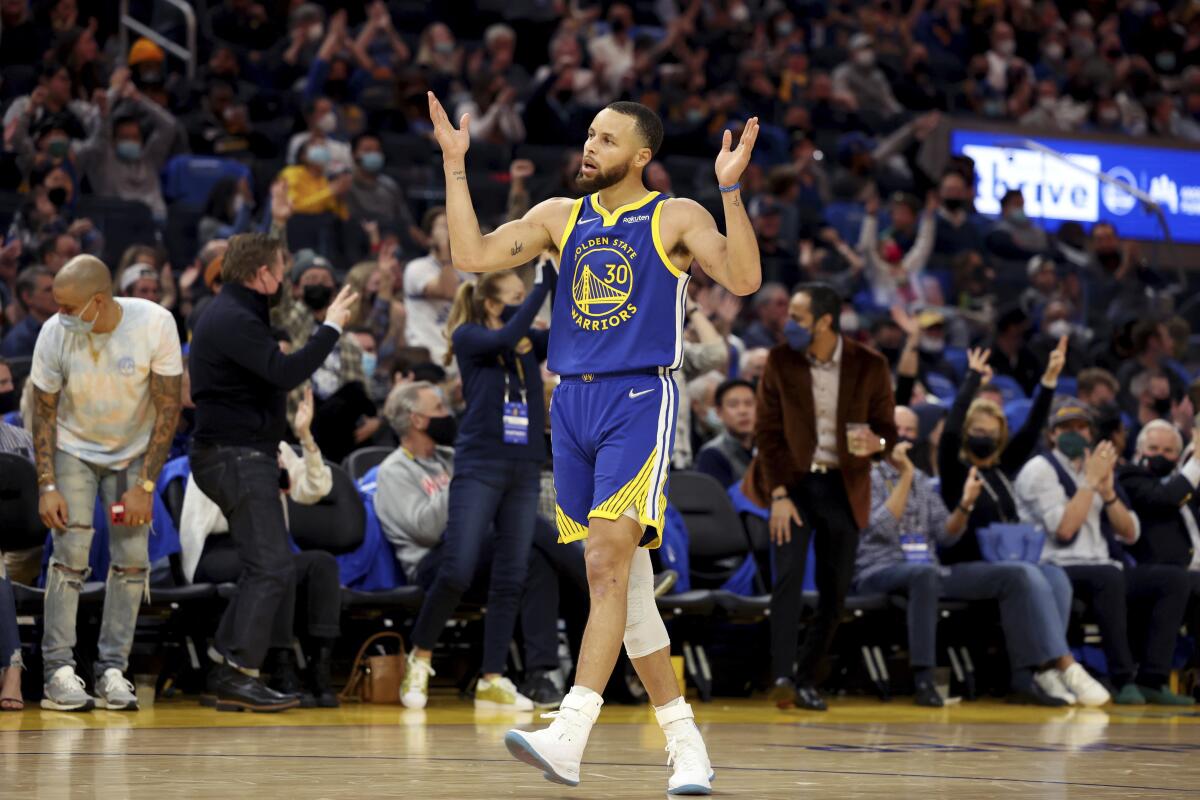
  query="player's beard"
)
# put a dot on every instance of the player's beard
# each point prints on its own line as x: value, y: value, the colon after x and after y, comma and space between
x: 601, y: 180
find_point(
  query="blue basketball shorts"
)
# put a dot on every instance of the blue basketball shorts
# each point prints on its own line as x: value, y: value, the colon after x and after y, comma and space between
x: 612, y: 437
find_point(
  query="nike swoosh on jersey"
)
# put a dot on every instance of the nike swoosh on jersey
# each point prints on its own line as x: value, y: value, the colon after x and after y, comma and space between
x: 635, y: 395
x: 585, y: 221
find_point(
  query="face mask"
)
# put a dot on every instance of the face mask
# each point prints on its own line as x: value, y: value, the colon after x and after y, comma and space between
x: 1059, y: 328
x: 1158, y: 466
x: 444, y: 48
x: 931, y: 344
x: 317, y: 296
x: 713, y: 421
x: 57, y: 196
x: 327, y: 123
x: 848, y: 322
x: 784, y: 28
x: 1110, y: 116
x: 76, y: 324
x: 8, y: 402
x: 1109, y: 260
x: 981, y: 447
x: 865, y: 58
x: 58, y: 148
x: 797, y: 336
x: 237, y: 205
x: 1053, y: 51
x: 1047, y: 103
x: 442, y: 430
x: 316, y: 32
x: 1006, y: 47
x: 129, y: 150
x: 1072, y: 444
x: 1016, y: 216
x: 1165, y: 60
x: 371, y: 162
x: 954, y: 204
x: 318, y: 155
x: 993, y: 108
x: 910, y: 441
x: 1162, y: 406
x: 1082, y: 47
x: 509, y: 312
x: 695, y: 116
x: 370, y: 362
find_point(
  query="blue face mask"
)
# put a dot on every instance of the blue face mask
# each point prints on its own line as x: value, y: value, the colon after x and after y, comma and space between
x: 318, y: 154
x: 371, y: 162
x: 76, y: 324
x: 798, y: 337
x: 129, y: 150
x: 370, y: 362
x: 1072, y: 444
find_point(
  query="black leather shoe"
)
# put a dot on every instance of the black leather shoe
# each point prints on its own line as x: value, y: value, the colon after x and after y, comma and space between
x: 809, y: 699
x: 928, y: 696
x: 320, y: 678
x: 783, y: 694
x: 209, y: 698
x: 237, y: 691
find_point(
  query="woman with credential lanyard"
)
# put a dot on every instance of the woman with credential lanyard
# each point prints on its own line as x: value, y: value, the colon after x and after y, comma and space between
x: 976, y: 438
x: 498, y: 455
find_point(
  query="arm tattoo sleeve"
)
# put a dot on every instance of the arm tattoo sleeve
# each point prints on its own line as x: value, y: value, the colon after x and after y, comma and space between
x: 165, y: 393
x: 45, y: 433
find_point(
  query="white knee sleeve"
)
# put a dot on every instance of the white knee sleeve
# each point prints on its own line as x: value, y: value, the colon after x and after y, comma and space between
x: 645, y: 632
x: 631, y: 512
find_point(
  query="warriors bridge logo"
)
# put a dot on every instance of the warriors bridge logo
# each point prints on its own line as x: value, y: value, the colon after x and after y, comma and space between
x: 603, y: 283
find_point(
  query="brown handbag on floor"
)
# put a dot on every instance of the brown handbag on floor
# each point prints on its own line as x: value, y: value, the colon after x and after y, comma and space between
x: 376, y: 679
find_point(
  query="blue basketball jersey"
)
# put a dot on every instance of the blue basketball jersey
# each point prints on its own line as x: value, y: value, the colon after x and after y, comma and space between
x: 620, y: 300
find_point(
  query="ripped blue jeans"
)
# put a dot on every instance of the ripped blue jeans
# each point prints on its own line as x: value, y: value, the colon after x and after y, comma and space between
x: 128, y: 577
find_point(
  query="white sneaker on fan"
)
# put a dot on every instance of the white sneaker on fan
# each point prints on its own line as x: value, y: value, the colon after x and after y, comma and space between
x: 1087, y: 690
x: 692, y: 771
x: 558, y: 750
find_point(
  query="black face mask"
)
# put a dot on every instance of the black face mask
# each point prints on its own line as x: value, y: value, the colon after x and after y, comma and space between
x: 508, y: 313
x: 275, y: 297
x: 1109, y: 260
x: 317, y: 296
x: 911, y: 442
x: 982, y: 447
x: 57, y: 196
x: 954, y: 203
x: 1162, y: 406
x: 8, y: 402
x: 443, y: 430
x: 892, y: 354
x: 1158, y: 466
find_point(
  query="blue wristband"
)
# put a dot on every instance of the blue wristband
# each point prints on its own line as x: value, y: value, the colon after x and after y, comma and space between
x: 734, y: 188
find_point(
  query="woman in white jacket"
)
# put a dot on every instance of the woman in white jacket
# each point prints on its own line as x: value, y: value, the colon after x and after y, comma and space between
x: 209, y: 556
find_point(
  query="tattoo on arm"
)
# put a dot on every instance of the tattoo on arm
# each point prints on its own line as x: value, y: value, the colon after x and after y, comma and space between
x: 165, y: 393
x: 459, y: 175
x: 45, y: 433
x: 737, y: 201
x: 517, y: 247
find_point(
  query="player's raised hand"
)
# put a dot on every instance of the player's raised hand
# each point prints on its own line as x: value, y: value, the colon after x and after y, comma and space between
x: 731, y: 162
x: 453, y: 141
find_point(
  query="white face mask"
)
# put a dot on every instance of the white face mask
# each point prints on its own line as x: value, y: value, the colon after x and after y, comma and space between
x: 316, y: 32
x: 1006, y: 47
x: 1060, y: 328
x: 327, y: 123
x: 864, y: 58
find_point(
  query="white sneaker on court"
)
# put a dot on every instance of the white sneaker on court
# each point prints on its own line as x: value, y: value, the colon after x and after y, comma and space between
x: 1051, y: 682
x: 414, y: 689
x: 692, y: 771
x: 1087, y: 690
x: 558, y: 750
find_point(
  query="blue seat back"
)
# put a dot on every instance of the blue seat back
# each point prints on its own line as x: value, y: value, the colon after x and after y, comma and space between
x: 188, y: 180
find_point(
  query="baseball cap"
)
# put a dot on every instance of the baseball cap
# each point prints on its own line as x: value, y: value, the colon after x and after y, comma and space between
x: 1069, y: 409
x: 308, y: 259
x: 136, y: 273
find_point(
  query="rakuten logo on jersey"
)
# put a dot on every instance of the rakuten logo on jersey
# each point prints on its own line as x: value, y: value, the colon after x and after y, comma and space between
x: 1052, y: 189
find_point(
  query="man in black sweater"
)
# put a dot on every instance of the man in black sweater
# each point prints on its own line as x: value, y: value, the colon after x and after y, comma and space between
x: 240, y: 381
x: 1161, y: 489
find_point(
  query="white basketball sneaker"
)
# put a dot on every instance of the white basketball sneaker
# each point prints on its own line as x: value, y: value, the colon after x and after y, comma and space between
x: 558, y: 750
x: 1087, y: 690
x: 686, y: 754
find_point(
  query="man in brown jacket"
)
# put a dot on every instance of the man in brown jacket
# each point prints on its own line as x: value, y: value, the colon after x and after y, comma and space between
x: 824, y: 411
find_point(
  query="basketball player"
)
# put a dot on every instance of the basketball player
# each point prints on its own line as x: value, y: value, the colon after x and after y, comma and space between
x: 617, y: 333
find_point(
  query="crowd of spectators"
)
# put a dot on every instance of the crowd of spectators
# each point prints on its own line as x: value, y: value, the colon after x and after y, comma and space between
x: 322, y: 111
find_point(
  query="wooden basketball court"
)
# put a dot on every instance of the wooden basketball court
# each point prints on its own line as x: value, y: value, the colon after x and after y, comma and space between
x: 860, y: 748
